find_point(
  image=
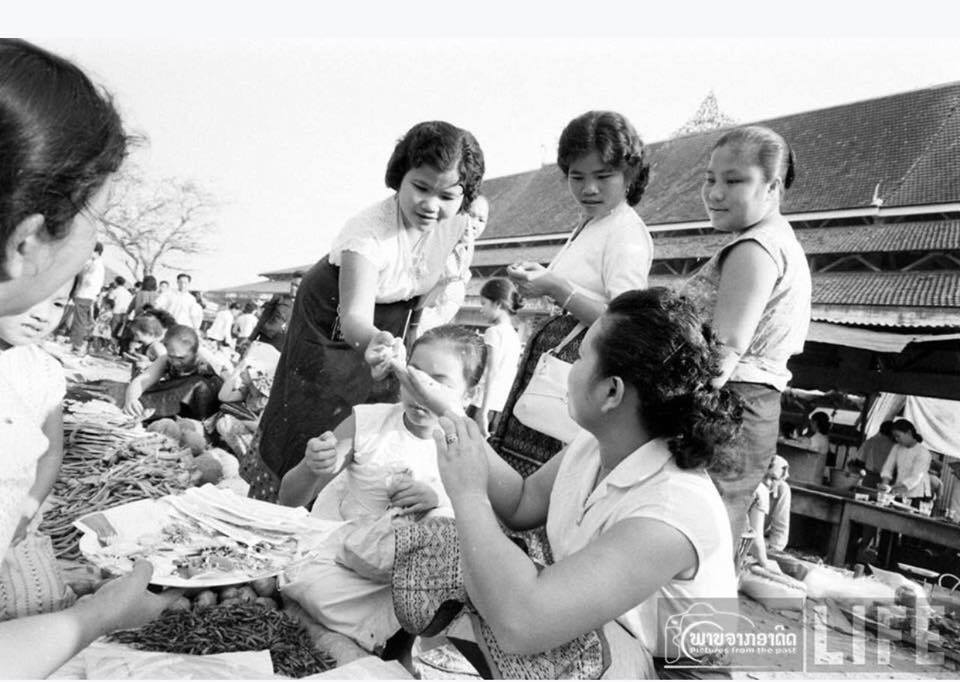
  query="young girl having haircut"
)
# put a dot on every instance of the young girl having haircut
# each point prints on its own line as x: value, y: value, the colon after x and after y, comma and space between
x: 376, y: 469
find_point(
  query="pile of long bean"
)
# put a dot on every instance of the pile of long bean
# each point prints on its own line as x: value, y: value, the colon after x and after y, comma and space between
x: 88, y: 483
x: 235, y: 627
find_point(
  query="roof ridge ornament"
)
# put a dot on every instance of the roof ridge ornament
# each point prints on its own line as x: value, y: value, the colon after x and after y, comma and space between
x: 707, y: 117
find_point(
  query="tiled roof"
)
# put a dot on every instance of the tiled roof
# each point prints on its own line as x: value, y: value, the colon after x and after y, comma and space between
x: 902, y: 289
x: 935, y: 235
x: 907, y: 144
x: 907, y: 289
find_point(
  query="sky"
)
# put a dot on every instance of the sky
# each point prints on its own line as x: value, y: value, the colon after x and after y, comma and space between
x: 290, y: 126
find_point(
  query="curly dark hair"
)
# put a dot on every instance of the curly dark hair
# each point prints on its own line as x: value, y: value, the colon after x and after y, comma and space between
x: 60, y: 138
x: 614, y: 138
x: 469, y: 344
x: 443, y: 146
x: 657, y: 342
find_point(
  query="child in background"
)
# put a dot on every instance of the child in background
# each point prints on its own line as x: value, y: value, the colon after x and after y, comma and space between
x: 442, y: 303
x: 101, y: 338
x: 244, y: 395
x: 499, y: 302
x: 770, y: 512
x: 32, y: 386
x: 755, y: 292
x: 378, y: 468
x: 148, y: 335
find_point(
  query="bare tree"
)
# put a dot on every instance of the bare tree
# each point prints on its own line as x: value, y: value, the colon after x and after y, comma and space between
x: 152, y: 220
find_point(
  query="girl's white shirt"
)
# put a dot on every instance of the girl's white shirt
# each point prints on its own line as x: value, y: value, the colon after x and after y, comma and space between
x: 406, y: 266
x: 383, y: 449
x: 607, y: 255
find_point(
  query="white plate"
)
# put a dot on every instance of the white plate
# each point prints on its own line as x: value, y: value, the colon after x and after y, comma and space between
x: 144, y: 517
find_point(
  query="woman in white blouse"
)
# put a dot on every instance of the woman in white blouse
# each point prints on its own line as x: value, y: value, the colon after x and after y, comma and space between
x: 609, y: 252
x: 353, y: 307
x: 637, y: 528
x: 909, y: 459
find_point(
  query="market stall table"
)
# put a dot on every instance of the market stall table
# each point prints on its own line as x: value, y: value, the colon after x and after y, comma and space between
x: 820, y: 503
x: 915, y: 525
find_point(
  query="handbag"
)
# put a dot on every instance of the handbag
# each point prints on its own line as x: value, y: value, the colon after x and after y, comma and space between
x: 543, y: 404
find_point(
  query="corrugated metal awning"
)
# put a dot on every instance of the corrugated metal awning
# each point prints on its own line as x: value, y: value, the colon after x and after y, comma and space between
x: 867, y: 339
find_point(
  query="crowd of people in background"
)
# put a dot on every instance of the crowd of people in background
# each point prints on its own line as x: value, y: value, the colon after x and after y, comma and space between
x: 352, y: 390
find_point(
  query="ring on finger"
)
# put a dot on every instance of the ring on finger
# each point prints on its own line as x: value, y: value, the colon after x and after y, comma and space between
x: 451, y: 438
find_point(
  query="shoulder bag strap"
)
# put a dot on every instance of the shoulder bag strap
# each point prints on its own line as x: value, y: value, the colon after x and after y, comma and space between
x: 579, y: 327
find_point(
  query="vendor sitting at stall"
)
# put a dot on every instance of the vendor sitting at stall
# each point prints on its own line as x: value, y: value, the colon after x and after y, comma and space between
x: 184, y: 382
x: 770, y: 511
x: 243, y: 396
x: 816, y: 438
x: 910, y: 459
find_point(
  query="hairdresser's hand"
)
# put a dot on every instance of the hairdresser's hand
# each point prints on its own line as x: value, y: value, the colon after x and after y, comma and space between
x: 413, y: 497
x: 383, y: 348
x: 125, y: 602
x: 899, y: 489
x: 462, y: 456
x: 532, y: 279
x: 433, y: 395
x: 321, y: 454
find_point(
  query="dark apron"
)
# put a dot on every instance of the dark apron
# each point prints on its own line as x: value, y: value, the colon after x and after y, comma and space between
x: 319, y: 376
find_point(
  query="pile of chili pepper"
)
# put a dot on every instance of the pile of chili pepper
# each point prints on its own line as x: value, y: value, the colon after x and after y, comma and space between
x: 234, y: 627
